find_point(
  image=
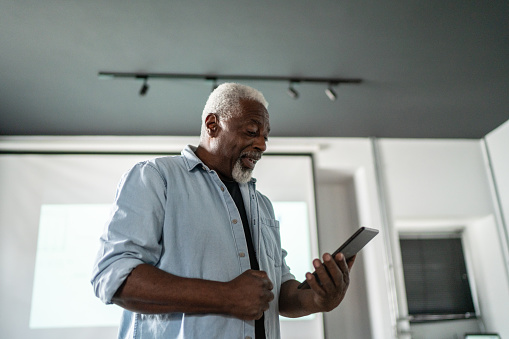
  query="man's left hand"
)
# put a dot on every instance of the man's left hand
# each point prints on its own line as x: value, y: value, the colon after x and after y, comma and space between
x: 333, y: 284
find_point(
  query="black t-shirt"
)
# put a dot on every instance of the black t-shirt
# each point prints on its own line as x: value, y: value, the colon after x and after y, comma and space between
x: 234, y: 189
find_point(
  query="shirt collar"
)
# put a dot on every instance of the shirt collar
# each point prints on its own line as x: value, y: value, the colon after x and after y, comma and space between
x: 190, y: 158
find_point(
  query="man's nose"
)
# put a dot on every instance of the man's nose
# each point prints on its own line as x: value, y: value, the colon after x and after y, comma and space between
x: 260, y: 143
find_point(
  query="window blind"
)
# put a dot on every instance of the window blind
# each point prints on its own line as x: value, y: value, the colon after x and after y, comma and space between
x: 436, y: 279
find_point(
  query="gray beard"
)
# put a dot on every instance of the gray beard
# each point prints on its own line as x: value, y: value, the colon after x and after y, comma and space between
x: 240, y: 174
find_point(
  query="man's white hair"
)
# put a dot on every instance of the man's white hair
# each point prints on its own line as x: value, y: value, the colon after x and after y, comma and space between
x: 225, y: 101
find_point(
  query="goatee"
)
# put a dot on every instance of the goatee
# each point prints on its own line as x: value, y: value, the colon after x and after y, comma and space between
x: 241, y: 174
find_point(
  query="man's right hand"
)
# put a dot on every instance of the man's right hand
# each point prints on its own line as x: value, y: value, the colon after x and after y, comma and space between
x: 251, y: 294
x: 149, y: 290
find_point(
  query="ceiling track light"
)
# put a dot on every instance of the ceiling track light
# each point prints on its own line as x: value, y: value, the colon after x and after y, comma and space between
x: 292, y: 92
x: 144, y: 88
x: 240, y: 78
x: 329, y: 91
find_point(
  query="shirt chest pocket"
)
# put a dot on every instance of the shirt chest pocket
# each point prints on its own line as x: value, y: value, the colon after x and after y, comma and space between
x: 272, y: 239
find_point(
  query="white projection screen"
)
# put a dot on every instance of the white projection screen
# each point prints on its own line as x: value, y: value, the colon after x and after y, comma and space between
x: 52, y: 212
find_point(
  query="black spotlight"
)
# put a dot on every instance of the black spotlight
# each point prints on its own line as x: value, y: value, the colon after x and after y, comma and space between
x: 144, y: 88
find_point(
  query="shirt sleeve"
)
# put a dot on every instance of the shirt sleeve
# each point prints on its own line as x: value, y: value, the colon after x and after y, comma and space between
x: 132, y: 235
x: 286, y: 274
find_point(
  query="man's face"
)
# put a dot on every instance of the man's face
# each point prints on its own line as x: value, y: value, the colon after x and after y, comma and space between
x: 242, y: 140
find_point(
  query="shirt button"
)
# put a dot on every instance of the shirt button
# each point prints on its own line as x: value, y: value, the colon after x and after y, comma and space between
x: 234, y: 221
x: 222, y: 188
x: 242, y: 254
x: 248, y: 337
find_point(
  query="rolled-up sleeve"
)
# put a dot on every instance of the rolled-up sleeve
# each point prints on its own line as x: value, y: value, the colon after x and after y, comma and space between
x: 132, y: 235
x: 286, y: 274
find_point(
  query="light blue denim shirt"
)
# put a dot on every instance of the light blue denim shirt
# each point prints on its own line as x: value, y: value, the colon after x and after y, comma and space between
x: 175, y: 213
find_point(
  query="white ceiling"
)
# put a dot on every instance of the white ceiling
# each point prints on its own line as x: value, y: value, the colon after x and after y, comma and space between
x: 431, y: 69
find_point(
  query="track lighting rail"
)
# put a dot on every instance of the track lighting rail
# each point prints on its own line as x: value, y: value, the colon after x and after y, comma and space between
x: 292, y: 80
x: 216, y: 77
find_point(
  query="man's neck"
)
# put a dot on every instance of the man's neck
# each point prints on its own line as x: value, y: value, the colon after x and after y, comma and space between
x: 209, y: 159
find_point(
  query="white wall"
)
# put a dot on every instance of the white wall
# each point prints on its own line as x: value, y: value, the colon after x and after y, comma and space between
x: 482, y: 244
x: 497, y: 144
x: 435, y: 178
x: 436, y: 185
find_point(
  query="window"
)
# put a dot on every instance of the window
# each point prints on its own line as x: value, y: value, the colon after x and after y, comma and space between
x: 436, y: 278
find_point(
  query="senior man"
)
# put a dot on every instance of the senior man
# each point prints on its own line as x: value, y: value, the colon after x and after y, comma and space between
x: 192, y: 249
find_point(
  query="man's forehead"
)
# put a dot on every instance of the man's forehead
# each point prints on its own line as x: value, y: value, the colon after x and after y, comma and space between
x: 252, y: 105
x: 254, y: 111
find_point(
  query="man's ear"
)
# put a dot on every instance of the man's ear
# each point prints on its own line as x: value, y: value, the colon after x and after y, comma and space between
x: 212, y: 124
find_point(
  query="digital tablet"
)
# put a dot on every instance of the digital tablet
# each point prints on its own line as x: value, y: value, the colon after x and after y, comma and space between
x: 350, y: 247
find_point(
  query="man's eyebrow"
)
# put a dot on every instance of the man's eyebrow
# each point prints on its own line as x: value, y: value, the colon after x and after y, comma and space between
x: 258, y: 122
